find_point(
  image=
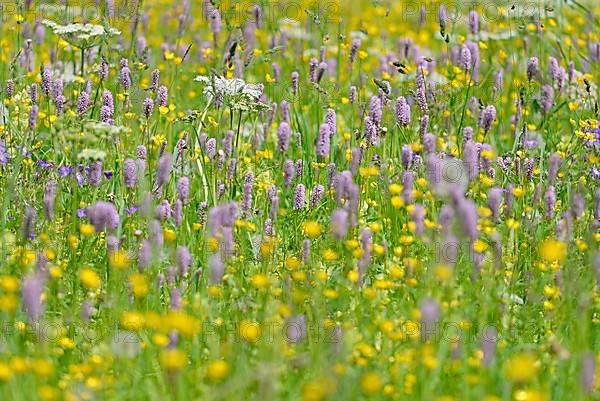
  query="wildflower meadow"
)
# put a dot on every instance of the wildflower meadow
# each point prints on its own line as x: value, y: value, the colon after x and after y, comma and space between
x: 294, y: 200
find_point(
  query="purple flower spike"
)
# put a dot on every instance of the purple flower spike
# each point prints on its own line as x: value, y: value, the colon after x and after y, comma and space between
x: 103, y: 216
x: 283, y: 137
x: 299, y: 197
x: 164, y: 169
x: 33, y: 286
x: 532, y: 68
x: 402, y: 112
x: 323, y: 140
x: 354, y: 46
x: 130, y: 173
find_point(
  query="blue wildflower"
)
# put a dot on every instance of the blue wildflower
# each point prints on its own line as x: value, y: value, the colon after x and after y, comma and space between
x: 65, y: 170
x: 45, y: 164
x: 4, y: 156
x: 132, y: 209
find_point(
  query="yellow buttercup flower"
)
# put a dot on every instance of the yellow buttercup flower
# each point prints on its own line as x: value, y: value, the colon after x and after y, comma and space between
x: 250, y: 331
x: 119, y: 259
x: 217, y: 370
x: 395, y: 189
x: 552, y: 250
x: 529, y: 395
x: 173, y: 359
x: 397, y: 202
x: 371, y: 383
x: 9, y: 283
x: 330, y: 255
x: 260, y: 281
x: 160, y: 339
x: 522, y: 367
x: 292, y: 263
x: 312, y: 229
x: 443, y: 273
x: 139, y: 285
x: 90, y: 279
x: 87, y: 230
x: 480, y: 246
x: 317, y: 390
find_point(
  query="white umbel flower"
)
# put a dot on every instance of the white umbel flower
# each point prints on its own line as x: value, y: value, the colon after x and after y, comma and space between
x: 234, y: 93
x: 91, y: 154
x: 104, y: 129
x: 81, y: 35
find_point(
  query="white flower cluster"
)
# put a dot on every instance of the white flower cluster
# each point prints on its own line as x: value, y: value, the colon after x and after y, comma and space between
x: 221, y: 86
x: 81, y: 35
x: 92, y: 154
x: 100, y: 128
x: 577, y: 91
x: 234, y: 92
